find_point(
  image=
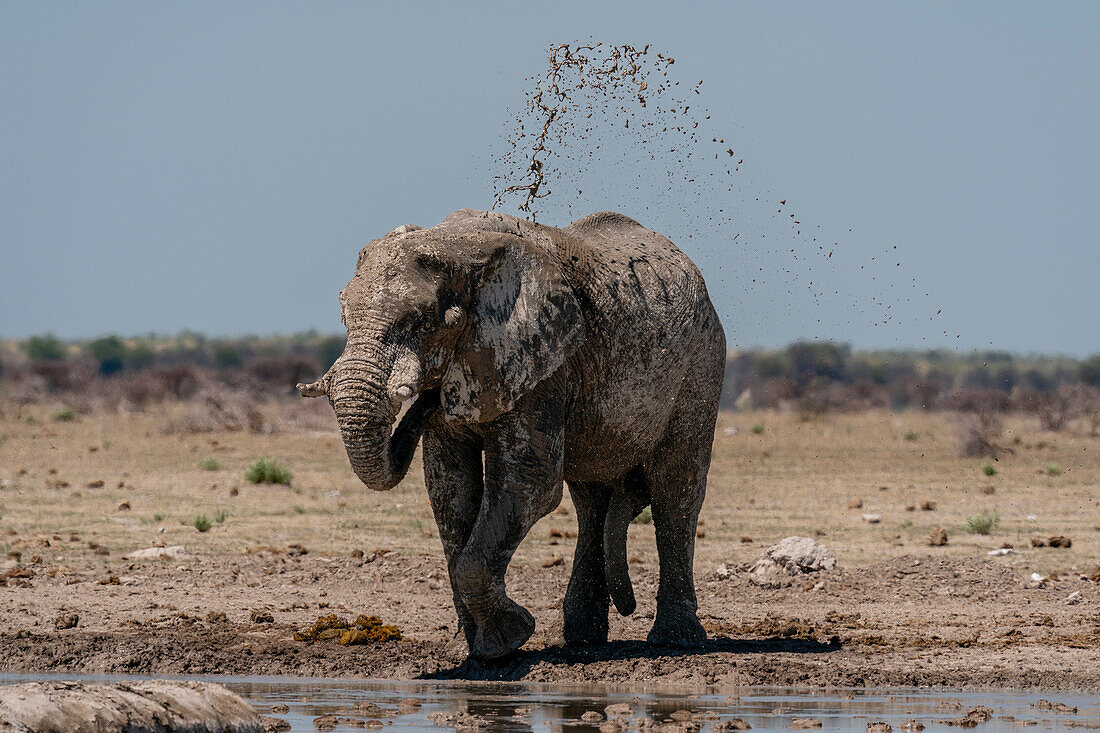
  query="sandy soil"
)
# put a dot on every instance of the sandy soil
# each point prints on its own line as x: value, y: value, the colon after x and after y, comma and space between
x: 895, y: 611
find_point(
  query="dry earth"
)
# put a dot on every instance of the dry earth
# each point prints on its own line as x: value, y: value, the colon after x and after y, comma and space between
x: 895, y: 611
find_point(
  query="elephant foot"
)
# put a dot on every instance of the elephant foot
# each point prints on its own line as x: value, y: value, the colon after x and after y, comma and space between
x: 586, y: 624
x: 680, y: 629
x: 502, y: 631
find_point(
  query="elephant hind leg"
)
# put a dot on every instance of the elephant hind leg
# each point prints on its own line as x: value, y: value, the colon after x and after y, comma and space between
x: 677, y: 474
x: 586, y: 600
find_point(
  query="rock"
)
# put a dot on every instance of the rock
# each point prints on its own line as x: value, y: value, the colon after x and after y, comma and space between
x: 1001, y: 552
x: 1094, y: 575
x: 805, y: 723
x: 879, y: 727
x: 1060, y: 541
x: 790, y: 557
x: 280, y: 709
x: 260, y: 616
x: 976, y: 716
x: 928, y: 506
x: 612, y: 726
x: 912, y: 725
x: 175, y: 552
x: 591, y: 716
x: 619, y: 709
x: 553, y: 561
x: 274, y: 725
x: 141, y: 706
x: 1074, y: 598
x: 1038, y: 581
x: 1057, y: 707
x: 1038, y: 542
x: 66, y: 621
x: 872, y: 518
x: 408, y: 705
x: 722, y: 572
x: 855, y: 503
x: 733, y: 724
x: 988, y: 490
x: 681, y: 716
x: 938, y: 537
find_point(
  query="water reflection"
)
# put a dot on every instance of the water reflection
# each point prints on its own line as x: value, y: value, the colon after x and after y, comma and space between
x: 529, y: 707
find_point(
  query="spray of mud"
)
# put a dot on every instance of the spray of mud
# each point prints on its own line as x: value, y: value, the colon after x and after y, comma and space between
x: 616, y: 118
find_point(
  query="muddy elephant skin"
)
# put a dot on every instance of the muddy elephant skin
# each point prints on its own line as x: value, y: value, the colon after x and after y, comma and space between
x: 528, y: 355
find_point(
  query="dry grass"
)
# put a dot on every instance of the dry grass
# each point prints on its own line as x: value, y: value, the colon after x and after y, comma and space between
x: 796, y: 477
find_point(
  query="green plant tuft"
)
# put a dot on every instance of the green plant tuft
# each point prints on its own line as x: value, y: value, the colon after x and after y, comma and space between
x: 989, y: 469
x: 983, y: 522
x: 158, y: 517
x: 1052, y: 469
x: 65, y: 415
x: 221, y: 515
x: 757, y: 429
x: 299, y: 509
x: 646, y: 516
x: 210, y: 464
x: 264, y: 471
x: 911, y: 434
x: 201, y: 522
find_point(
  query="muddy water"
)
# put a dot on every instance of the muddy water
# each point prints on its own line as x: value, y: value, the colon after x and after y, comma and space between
x: 529, y: 707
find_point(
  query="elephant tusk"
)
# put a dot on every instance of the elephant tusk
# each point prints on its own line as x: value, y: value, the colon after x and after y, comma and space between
x: 403, y: 392
x: 314, y: 389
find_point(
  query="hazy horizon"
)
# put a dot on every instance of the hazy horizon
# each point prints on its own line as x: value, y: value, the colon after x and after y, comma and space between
x: 216, y: 168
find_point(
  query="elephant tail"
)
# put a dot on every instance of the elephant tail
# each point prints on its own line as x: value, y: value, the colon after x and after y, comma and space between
x: 622, y: 508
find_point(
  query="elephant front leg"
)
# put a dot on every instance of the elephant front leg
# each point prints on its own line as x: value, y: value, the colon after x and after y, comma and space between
x: 523, y: 483
x: 453, y: 475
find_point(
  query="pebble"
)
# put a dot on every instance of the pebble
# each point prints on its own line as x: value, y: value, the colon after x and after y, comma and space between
x: 879, y: 727
x: 1074, y: 598
x: 805, y: 723
x: 872, y: 518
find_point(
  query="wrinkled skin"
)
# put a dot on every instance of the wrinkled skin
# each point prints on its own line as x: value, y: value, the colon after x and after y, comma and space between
x: 531, y: 356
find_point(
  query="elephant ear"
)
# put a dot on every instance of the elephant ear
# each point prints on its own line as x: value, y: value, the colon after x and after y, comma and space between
x: 525, y: 322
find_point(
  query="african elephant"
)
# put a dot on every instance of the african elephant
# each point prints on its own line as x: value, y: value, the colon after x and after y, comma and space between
x: 532, y: 355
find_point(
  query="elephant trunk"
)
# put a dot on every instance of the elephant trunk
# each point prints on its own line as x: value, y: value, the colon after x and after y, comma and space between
x: 379, y: 457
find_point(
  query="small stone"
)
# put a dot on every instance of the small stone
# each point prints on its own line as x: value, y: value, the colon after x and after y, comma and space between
x: 217, y: 617
x: 928, y: 506
x: 553, y: 561
x: 912, y: 725
x: 938, y: 537
x: 260, y: 616
x: 612, y: 726
x: 66, y: 621
x: 879, y: 727
x: 681, y: 715
x: 1074, y: 598
x: 805, y: 724
x: 591, y: 716
x: 1058, y: 707
x: 721, y: 572
x: 357, y: 554
x: 97, y: 484
x: 274, y: 725
x: 408, y: 705
x: 1094, y: 575
x: 1038, y: 542
x: 872, y: 518
x: 746, y: 540
x: 325, y: 722
x: 855, y: 503
x: 620, y: 708
x: 124, y: 506
x: 1060, y: 541
x: 733, y: 724
x: 988, y: 490
x: 280, y: 709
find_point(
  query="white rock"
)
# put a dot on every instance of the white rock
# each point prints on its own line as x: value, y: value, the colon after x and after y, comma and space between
x: 1074, y: 598
x: 175, y: 552
x: 872, y: 518
x: 722, y: 572
x: 730, y: 431
x: 1001, y: 552
x: 790, y: 557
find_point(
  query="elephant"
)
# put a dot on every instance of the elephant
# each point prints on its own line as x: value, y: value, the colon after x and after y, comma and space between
x: 525, y: 356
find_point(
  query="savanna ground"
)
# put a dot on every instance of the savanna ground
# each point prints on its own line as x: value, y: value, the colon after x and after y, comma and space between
x: 78, y: 495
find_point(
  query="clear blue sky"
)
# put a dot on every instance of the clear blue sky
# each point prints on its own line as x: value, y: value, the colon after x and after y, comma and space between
x: 217, y: 166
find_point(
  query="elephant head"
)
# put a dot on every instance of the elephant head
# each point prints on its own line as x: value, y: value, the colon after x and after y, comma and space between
x: 460, y: 317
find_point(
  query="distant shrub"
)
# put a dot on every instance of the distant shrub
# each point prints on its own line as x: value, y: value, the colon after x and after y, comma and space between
x: 65, y: 415
x: 226, y: 356
x: 110, y: 352
x: 299, y: 509
x: 1052, y: 469
x: 757, y: 429
x: 978, y: 435
x: 210, y: 464
x: 264, y: 471
x: 43, y: 348
x: 201, y: 522
x: 989, y: 470
x: 158, y: 517
x: 646, y: 516
x: 982, y: 522
x: 911, y: 435
x: 221, y: 515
